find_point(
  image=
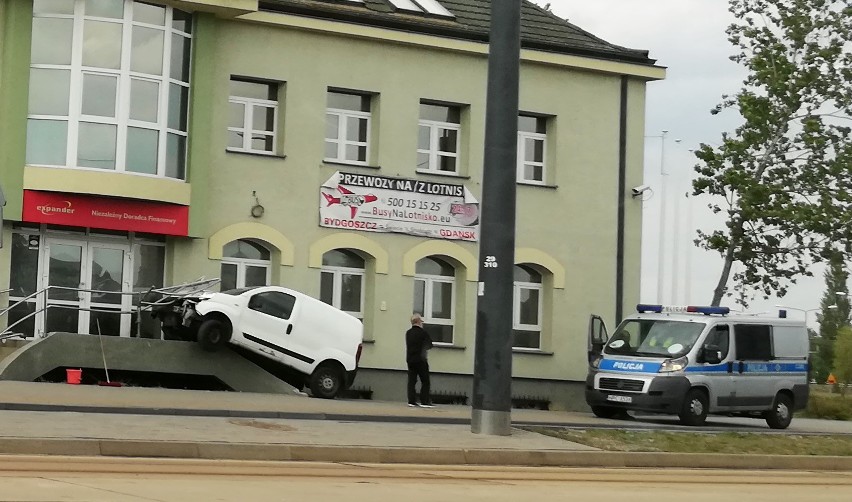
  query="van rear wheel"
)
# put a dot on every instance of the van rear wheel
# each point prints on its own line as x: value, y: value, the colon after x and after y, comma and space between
x: 326, y: 381
x: 695, y: 408
x: 781, y: 414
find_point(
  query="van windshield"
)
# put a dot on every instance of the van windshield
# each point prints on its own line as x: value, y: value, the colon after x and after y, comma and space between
x: 654, y: 338
x: 238, y: 291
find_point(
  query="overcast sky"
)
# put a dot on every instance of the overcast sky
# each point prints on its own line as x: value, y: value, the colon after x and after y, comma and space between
x: 688, y: 38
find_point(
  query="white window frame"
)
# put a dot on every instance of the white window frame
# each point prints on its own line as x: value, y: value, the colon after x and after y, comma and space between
x: 122, y: 119
x: 517, y: 288
x: 522, y: 163
x: 243, y: 263
x: 249, y: 105
x: 342, y: 130
x: 435, y: 128
x: 429, y: 281
x: 337, y: 287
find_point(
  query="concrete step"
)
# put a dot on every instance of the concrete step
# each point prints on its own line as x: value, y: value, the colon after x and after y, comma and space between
x: 70, y: 350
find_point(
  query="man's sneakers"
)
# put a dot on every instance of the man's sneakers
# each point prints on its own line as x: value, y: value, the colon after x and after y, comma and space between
x: 426, y: 405
x: 413, y: 405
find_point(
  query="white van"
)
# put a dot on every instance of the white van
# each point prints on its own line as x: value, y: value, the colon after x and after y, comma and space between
x: 691, y: 361
x: 320, y: 342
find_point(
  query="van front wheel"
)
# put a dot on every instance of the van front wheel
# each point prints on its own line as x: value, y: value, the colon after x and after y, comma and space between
x: 326, y: 381
x: 605, y: 411
x: 213, y: 334
x: 781, y: 414
x: 695, y: 407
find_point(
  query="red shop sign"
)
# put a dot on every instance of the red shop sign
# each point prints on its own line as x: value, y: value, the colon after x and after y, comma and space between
x: 106, y: 213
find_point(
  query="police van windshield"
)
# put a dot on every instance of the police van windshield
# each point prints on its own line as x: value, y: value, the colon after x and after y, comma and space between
x: 654, y: 338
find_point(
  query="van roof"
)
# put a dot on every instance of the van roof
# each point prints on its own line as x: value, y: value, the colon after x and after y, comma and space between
x: 706, y: 319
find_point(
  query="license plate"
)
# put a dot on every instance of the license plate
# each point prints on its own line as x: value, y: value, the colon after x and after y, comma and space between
x: 619, y: 399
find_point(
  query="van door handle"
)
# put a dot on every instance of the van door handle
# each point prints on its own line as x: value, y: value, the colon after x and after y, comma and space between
x: 742, y: 366
x: 289, y: 329
x: 730, y: 366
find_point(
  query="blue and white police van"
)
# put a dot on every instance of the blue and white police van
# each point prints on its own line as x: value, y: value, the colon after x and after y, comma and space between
x: 691, y: 361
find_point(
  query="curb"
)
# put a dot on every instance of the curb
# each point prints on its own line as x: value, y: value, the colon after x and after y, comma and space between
x: 403, y: 455
x: 285, y: 415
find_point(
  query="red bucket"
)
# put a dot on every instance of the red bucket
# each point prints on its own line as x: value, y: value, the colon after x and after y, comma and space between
x: 73, y: 376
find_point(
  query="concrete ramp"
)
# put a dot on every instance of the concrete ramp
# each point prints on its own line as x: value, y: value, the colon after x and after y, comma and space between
x: 71, y: 350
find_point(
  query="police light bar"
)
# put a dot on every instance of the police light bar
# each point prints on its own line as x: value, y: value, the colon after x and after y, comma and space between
x: 649, y: 308
x: 659, y: 309
x: 709, y: 310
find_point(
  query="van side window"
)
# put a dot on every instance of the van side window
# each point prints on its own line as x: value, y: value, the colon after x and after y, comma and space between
x: 719, y: 339
x: 753, y: 342
x: 273, y: 303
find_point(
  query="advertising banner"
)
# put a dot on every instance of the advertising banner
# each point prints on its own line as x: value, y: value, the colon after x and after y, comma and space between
x: 106, y: 213
x: 382, y: 204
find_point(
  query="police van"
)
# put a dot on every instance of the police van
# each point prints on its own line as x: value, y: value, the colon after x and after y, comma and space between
x: 691, y: 361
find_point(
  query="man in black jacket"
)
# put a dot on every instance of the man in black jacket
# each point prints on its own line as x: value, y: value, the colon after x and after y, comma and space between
x: 417, y: 343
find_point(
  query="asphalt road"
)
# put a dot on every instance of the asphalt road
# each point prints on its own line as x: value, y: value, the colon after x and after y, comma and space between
x: 94, y: 479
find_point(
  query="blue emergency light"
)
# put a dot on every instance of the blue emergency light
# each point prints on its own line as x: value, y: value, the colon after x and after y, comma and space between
x: 709, y: 310
x: 658, y: 309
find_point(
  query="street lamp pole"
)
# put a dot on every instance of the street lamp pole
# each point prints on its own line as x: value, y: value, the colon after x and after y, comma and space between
x: 676, y: 246
x: 687, y: 279
x: 492, y: 361
x: 661, y: 254
x: 806, y: 311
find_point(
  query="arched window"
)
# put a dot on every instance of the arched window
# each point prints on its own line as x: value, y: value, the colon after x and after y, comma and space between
x: 245, y: 263
x: 527, y: 300
x: 434, y: 294
x: 342, y: 281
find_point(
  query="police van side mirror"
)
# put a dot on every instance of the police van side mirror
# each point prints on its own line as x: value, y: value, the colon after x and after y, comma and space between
x: 711, y: 355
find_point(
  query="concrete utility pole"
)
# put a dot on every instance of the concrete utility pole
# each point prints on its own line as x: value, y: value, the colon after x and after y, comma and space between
x: 492, y: 372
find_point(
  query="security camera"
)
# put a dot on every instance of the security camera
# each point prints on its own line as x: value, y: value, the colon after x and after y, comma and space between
x: 637, y: 191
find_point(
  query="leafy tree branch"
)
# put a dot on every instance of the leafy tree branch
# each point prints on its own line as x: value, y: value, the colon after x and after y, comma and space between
x: 782, y: 180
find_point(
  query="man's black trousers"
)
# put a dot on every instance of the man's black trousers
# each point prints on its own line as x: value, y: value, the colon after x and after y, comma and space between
x: 418, y: 369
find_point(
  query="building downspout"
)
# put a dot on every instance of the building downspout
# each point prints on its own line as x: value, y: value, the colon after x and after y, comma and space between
x: 622, y: 193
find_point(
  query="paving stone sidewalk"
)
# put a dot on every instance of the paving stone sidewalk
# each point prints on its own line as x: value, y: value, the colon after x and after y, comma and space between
x: 60, y: 419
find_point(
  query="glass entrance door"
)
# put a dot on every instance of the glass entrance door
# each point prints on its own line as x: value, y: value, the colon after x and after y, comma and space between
x: 73, y: 267
x: 64, y: 274
x: 107, y: 273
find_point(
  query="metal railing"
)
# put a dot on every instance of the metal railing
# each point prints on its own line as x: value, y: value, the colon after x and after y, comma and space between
x: 165, y: 295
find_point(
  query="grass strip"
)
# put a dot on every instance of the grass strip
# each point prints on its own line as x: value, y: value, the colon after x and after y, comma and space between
x: 692, y: 442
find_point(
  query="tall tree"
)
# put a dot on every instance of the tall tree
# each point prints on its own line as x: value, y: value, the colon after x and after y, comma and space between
x: 843, y: 358
x: 835, y: 310
x: 783, y: 179
x: 835, y: 302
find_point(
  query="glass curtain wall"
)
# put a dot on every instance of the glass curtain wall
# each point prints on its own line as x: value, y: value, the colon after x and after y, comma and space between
x: 109, y: 86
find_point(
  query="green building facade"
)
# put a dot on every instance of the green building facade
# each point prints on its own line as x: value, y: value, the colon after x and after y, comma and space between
x: 330, y: 146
